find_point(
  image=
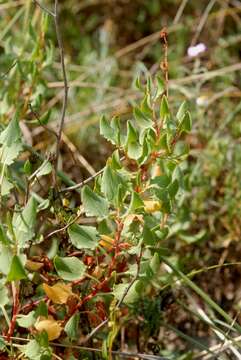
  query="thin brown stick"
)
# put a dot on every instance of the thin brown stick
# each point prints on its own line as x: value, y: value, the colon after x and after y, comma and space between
x: 16, y: 302
x: 86, y: 181
x: 207, y: 75
x: 2, y: 76
x: 64, y: 227
x: 47, y: 128
x: 118, y: 54
x: 44, y: 8
x: 55, y: 16
x: 180, y: 12
x: 202, y: 21
x: 64, y: 107
x: 164, y: 63
x: 75, y: 153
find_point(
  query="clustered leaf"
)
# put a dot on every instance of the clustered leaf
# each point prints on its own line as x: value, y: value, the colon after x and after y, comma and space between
x: 127, y: 207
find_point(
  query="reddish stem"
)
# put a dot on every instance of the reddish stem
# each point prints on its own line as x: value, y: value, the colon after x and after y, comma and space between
x: 32, y: 304
x: 120, y: 226
x: 16, y: 303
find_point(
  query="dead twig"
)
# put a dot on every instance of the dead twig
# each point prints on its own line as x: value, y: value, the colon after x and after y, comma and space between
x: 65, y: 100
x: 55, y: 16
x: 44, y: 8
x: 180, y: 12
x: 202, y: 21
x: 86, y: 181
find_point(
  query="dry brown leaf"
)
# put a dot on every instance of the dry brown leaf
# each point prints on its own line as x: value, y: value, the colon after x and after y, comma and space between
x: 134, y: 217
x: 58, y: 293
x: 51, y: 326
x: 33, y: 265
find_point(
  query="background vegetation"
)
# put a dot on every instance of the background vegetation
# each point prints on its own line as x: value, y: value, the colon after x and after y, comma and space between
x: 107, y: 45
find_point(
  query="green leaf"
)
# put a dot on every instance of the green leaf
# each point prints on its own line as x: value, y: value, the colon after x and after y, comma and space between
x: 5, y: 259
x: 17, y: 271
x: 107, y: 131
x: 34, y: 351
x: 94, y: 204
x: 27, y: 168
x: 41, y: 310
x: 136, y: 202
x: 83, y: 237
x: 45, y: 118
x: 142, y: 119
x: 4, y: 297
x: 69, y: 268
x: 71, y: 327
x: 2, y: 344
x: 173, y: 188
x: 145, y: 106
x: 9, y: 153
x: 148, y: 236
x: 186, y: 123
x: 26, y: 321
x: 132, y: 145
x: 146, y: 150
x: 160, y: 87
x: 164, y: 142
x: 181, y: 111
x: 190, y: 239
x: 164, y: 108
x: 162, y: 181
x: 3, y: 237
x: 43, y: 205
x: 24, y: 223
x: 44, y: 169
x: 12, y: 133
x: 110, y: 182
x: 163, y: 195
x: 132, y: 294
x: 137, y: 83
x: 115, y: 124
x: 6, y: 186
x: 155, y: 263
x: 115, y: 161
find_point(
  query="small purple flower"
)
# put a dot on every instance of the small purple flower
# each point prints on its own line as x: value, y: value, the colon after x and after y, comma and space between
x: 195, y: 50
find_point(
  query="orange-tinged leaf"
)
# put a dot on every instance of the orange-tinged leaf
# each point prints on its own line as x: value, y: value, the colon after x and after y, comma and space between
x: 58, y: 293
x: 156, y: 171
x: 106, y: 241
x: 51, y: 326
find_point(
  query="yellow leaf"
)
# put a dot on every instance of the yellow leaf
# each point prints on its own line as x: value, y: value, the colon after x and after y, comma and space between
x: 65, y: 202
x: 51, y: 326
x: 58, y: 293
x: 151, y: 206
x: 106, y: 241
